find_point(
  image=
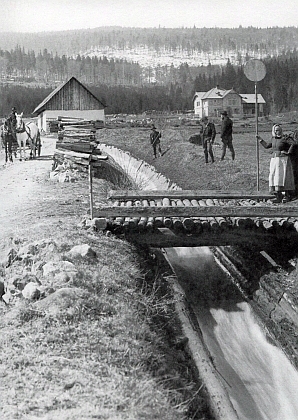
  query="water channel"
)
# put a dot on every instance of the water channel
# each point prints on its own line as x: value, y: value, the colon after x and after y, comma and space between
x: 261, y: 382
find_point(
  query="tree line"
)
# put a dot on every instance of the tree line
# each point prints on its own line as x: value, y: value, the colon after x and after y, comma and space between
x: 117, y: 83
x: 269, y: 41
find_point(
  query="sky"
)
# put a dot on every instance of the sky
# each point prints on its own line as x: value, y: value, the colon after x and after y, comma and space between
x: 58, y: 15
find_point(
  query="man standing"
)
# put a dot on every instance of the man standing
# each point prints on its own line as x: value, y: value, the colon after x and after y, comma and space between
x: 13, y: 123
x: 208, y: 135
x: 226, y: 135
x: 155, y: 141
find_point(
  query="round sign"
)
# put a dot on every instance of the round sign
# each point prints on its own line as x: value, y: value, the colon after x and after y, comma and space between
x: 255, y: 70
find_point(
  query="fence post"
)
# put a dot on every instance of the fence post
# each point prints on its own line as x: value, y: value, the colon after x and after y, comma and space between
x: 90, y: 173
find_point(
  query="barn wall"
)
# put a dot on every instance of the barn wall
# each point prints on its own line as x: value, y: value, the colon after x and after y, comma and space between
x: 73, y: 96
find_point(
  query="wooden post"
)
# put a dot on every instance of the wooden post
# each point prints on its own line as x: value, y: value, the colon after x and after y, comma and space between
x: 257, y: 143
x: 90, y: 172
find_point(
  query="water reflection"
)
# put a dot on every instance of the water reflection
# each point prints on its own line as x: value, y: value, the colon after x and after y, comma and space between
x: 259, y: 378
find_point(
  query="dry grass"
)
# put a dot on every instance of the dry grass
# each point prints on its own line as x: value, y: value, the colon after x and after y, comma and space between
x: 111, y: 354
x: 184, y: 163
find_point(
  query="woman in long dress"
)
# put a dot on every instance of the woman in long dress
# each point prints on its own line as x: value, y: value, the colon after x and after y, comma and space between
x: 281, y: 177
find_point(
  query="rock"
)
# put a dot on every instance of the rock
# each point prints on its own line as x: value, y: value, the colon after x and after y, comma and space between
x: 82, y: 251
x: 62, y: 299
x: 9, y: 258
x: 31, y: 291
x: 19, y: 282
x: 98, y: 223
x: 55, y: 267
x: 27, y: 250
x: 7, y: 297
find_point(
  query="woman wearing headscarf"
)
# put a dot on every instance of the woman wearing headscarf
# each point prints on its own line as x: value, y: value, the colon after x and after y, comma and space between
x: 281, y: 178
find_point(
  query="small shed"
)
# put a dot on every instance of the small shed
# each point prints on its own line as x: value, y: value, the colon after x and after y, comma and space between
x: 70, y: 99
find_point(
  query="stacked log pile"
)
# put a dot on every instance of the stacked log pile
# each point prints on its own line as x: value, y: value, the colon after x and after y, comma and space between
x: 76, y: 141
x: 191, y: 215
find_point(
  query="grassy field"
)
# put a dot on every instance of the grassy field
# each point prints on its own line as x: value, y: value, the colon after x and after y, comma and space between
x: 184, y: 163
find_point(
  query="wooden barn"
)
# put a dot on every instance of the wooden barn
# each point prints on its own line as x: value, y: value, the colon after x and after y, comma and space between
x: 70, y: 99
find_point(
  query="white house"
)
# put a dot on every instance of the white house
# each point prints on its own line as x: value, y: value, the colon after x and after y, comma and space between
x: 214, y: 101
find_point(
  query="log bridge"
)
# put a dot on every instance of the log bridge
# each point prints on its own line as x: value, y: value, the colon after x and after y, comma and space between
x: 198, y: 218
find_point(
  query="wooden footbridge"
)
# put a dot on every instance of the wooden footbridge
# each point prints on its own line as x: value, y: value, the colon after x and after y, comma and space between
x: 197, y: 218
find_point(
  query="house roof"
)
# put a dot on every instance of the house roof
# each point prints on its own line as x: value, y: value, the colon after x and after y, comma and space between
x: 250, y: 98
x: 198, y: 95
x: 216, y: 93
x: 57, y: 89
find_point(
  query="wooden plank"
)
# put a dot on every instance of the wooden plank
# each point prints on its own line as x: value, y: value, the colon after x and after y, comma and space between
x: 208, y: 211
x: 187, y: 194
x: 72, y: 154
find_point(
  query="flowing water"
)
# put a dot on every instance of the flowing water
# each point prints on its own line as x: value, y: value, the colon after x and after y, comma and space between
x: 261, y: 382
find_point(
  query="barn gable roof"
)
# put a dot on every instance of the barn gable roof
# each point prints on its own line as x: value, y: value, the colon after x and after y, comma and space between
x: 42, y: 105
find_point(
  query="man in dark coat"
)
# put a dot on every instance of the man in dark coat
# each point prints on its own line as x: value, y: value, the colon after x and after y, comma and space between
x: 155, y: 141
x: 12, y: 118
x: 226, y: 135
x: 208, y: 135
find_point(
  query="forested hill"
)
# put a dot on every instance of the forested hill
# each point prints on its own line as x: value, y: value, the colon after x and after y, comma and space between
x: 31, y: 65
x: 262, y: 41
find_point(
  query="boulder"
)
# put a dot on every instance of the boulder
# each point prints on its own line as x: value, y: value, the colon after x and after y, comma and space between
x: 61, y: 300
x: 8, y: 259
x: 83, y: 250
x: 31, y: 291
x: 57, y: 267
x: 19, y: 282
x: 98, y: 223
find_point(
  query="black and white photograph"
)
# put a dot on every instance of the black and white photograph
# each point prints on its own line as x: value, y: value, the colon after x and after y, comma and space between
x: 148, y: 210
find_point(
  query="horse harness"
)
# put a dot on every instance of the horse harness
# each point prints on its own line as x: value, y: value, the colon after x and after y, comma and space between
x: 23, y: 130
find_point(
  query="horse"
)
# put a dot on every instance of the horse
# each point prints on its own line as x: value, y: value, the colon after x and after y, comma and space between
x: 6, y: 139
x: 27, y: 132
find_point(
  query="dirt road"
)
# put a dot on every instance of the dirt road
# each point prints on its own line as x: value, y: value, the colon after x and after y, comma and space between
x: 29, y: 198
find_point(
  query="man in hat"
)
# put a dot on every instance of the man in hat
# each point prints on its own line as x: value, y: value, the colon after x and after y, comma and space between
x: 13, y: 123
x: 155, y: 141
x: 226, y: 135
x: 209, y: 134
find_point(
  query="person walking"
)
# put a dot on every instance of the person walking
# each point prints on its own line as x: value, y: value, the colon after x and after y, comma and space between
x: 281, y: 176
x: 155, y: 141
x: 208, y: 135
x: 226, y: 135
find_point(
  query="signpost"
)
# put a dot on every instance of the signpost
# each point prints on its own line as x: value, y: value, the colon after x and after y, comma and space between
x: 255, y: 71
